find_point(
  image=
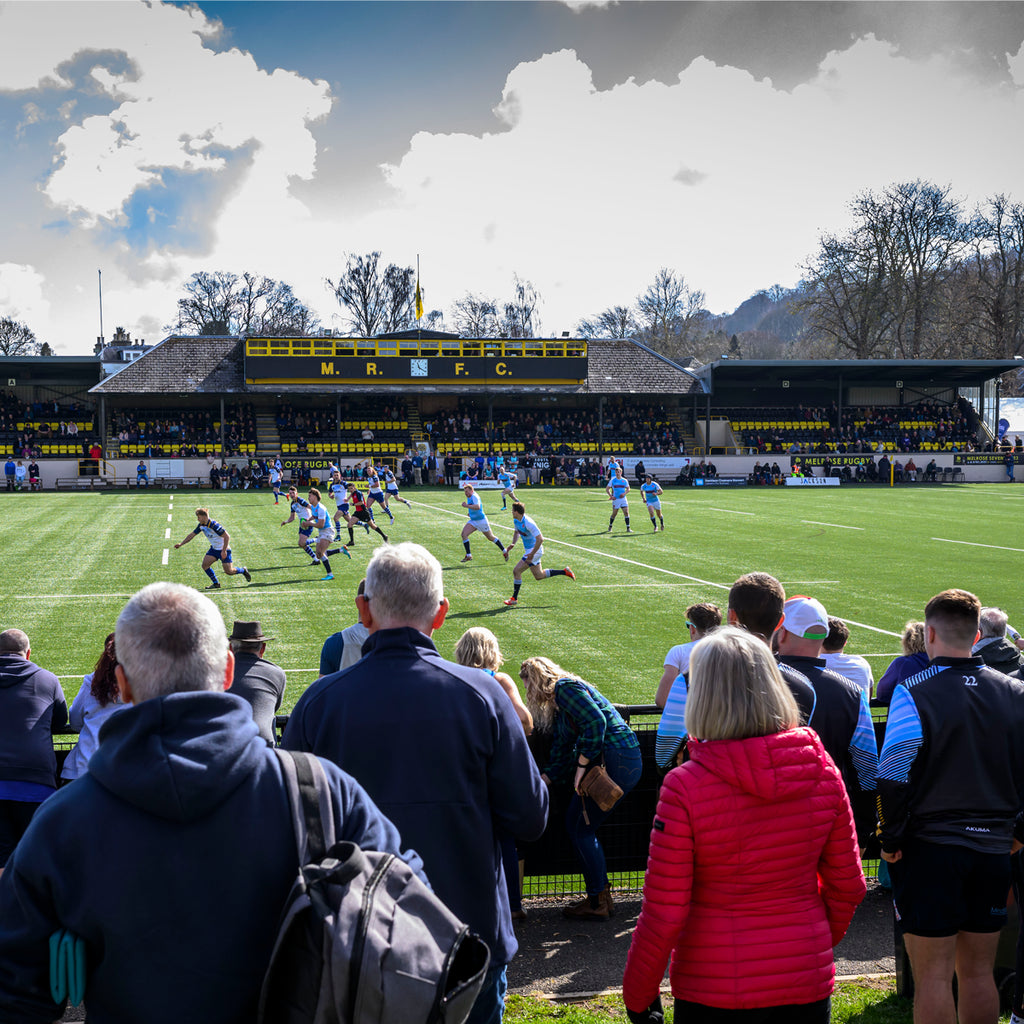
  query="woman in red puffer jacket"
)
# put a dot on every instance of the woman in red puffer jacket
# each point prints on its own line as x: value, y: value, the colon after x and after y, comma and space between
x: 753, y: 873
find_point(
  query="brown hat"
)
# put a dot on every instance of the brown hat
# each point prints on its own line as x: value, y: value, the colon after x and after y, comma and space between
x: 248, y: 632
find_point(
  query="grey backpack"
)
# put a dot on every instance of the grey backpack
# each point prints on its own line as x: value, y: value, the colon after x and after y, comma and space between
x: 362, y: 940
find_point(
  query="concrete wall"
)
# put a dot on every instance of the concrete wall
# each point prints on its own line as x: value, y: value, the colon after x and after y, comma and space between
x: 727, y: 465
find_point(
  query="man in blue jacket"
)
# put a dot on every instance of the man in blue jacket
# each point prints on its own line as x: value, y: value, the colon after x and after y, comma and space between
x: 438, y: 746
x: 32, y: 709
x: 173, y: 855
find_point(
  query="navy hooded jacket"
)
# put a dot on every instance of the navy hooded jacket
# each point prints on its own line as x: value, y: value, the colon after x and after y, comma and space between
x: 32, y: 708
x: 172, y: 858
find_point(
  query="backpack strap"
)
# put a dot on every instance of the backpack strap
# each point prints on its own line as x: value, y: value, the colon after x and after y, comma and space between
x: 309, y: 797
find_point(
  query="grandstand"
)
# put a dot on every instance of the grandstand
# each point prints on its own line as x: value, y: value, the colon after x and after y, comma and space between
x: 196, y: 400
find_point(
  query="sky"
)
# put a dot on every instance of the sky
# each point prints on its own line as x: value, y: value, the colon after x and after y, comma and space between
x: 580, y: 146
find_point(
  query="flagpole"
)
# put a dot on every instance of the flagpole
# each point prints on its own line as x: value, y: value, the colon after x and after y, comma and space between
x: 419, y: 301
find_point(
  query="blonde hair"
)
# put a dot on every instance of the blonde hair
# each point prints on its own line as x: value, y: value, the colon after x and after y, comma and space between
x: 912, y: 640
x: 539, y: 676
x: 735, y: 689
x: 478, y: 648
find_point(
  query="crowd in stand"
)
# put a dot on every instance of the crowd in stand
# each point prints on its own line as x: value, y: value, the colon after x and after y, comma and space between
x: 181, y: 431
x: 645, y: 430
x: 775, y: 789
x: 861, y: 429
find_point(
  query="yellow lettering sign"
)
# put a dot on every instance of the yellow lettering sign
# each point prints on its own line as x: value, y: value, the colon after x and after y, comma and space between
x: 327, y: 369
x: 460, y: 369
x: 371, y: 369
x: 501, y: 369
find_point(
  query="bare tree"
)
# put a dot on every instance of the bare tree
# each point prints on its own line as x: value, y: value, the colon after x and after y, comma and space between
x: 16, y: 339
x: 376, y: 300
x: 615, y: 322
x: 520, y: 318
x: 475, y: 316
x: 995, y: 278
x: 251, y: 305
x: 671, y: 315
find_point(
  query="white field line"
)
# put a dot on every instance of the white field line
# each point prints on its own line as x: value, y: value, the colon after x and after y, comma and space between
x: 166, y: 557
x: 715, y: 508
x: 167, y: 533
x: 973, y: 544
x: 838, y: 526
x: 169, y: 518
x: 655, y: 568
x: 291, y: 671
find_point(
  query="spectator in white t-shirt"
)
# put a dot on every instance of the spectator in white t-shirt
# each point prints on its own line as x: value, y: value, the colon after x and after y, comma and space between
x: 852, y: 666
x: 700, y: 619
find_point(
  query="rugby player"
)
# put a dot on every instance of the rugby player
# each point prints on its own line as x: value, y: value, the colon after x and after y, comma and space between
x: 533, y: 551
x: 219, y: 550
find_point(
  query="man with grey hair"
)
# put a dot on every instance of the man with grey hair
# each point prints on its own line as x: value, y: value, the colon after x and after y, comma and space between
x: 32, y: 709
x: 172, y: 857
x: 1000, y: 646
x: 437, y: 745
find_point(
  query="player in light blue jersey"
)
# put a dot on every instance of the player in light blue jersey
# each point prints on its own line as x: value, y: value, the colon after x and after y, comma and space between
x: 477, y: 521
x: 508, y: 487
x: 391, y: 486
x: 651, y: 492
x: 304, y: 511
x: 339, y: 490
x: 219, y: 551
x: 320, y: 517
x: 533, y: 551
x: 618, y: 488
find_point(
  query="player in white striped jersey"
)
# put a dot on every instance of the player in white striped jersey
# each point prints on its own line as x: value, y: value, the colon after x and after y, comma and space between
x: 304, y: 512
x: 391, y: 486
x: 219, y: 550
x: 533, y: 545
x: 375, y: 492
x: 321, y: 519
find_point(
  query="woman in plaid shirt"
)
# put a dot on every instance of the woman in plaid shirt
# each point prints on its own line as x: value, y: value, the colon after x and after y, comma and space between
x: 587, y: 731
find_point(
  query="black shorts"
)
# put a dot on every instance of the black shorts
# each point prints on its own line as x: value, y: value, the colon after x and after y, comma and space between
x: 939, y: 890
x: 361, y: 515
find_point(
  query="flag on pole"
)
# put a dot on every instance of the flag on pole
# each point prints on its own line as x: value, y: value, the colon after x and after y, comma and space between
x: 419, y: 300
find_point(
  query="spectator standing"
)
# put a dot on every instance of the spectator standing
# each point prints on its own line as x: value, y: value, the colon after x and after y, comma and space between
x: 345, y: 648
x: 417, y: 468
x: 842, y: 715
x: 179, y: 776
x: 950, y: 783
x: 760, y: 792
x: 670, y: 743
x: 98, y: 698
x: 34, y: 481
x: 852, y: 666
x: 9, y: 471
x: 587, y: 732
x: 32, y: 709
x: 457, y: 768
x: 19, y: 475
x: 257, y: 681
x: 909, y: 663
x: 998, y: 647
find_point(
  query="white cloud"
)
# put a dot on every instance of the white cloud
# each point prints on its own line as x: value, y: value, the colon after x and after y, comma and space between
x: 720, y: 176
x: 21, y: 294
x: 585, y: 191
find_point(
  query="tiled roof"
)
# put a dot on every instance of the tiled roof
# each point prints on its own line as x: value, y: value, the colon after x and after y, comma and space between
x: 623, y: 367
x: 213, y: 365
x: 181, y: 366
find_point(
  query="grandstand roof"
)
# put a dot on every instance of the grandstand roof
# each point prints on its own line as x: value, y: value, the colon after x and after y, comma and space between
x: 205, y: 365
x: 726, y: 375
x: 181, y: 366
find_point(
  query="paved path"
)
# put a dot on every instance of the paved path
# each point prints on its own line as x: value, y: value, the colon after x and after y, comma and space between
x: 563, y: 958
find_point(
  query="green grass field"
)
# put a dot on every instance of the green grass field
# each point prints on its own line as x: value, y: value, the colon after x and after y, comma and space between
x: 873, y: 556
